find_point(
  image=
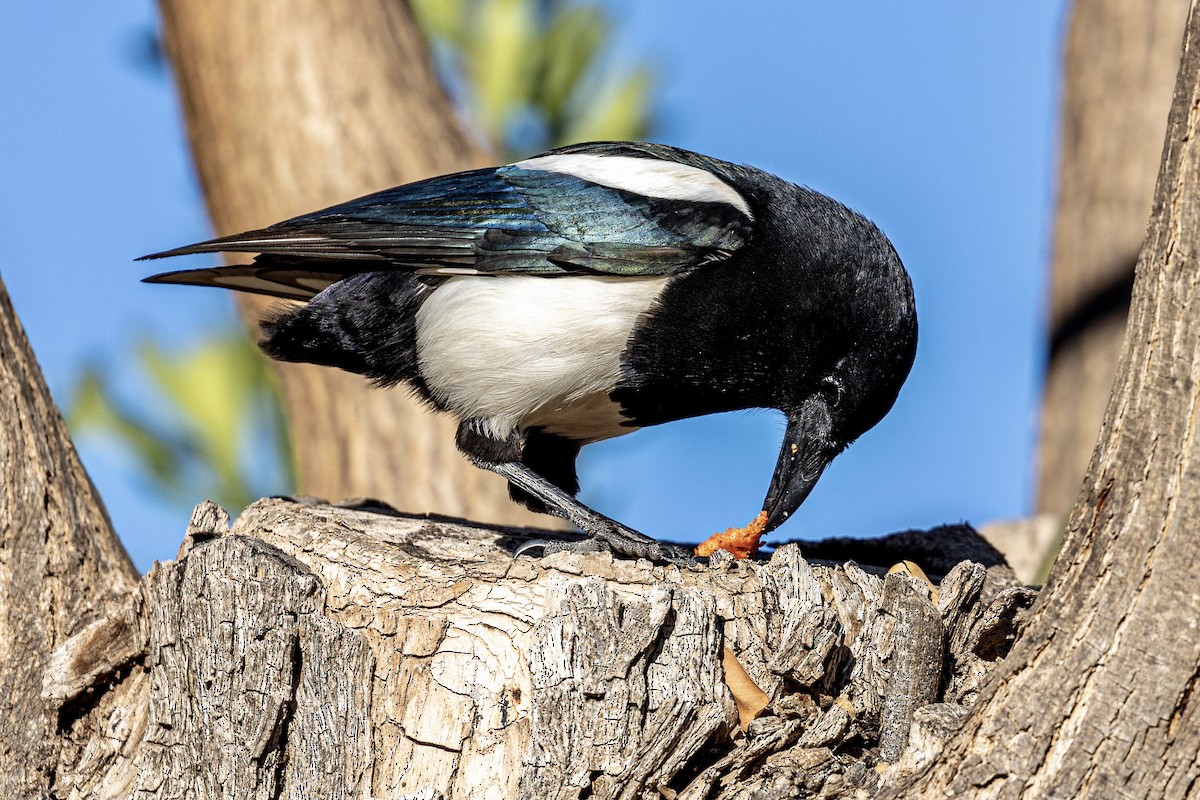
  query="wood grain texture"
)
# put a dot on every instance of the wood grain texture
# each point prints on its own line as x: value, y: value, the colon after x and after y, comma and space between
x: 291, y: 106
x: 61, y: 565
x: 349, y: 652
x: 1097, y: 699
x: 917, y: 656
x: 1119, y: 68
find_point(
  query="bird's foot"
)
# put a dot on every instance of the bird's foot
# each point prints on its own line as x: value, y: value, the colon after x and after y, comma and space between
x: 600, y: 533
x: 616, y: 539
x: 548, y: 546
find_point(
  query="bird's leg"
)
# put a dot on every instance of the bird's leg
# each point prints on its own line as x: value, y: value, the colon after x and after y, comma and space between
x: 503, y: 458
x: 599, y: 529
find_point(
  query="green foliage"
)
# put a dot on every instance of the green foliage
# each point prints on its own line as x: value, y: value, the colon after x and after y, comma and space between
x: 530, y: 75
x: 218, y: 428
x: 534, y: 74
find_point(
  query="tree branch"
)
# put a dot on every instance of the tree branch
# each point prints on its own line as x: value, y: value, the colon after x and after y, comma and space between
x: 1114, y: 115
x: 61, y: 564
x: 1098, y: 692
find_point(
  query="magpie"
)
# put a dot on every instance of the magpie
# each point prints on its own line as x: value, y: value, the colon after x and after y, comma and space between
x: 589, y: 291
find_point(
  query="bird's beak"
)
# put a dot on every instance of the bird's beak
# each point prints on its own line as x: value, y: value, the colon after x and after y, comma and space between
x: 807, y: 449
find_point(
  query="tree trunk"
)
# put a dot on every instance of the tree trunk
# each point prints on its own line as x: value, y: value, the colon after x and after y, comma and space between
x: 316, y: 651
x: 61, y: 565
x: 293, y: 105
x: 1118, y: 70
x: 1098, y: 698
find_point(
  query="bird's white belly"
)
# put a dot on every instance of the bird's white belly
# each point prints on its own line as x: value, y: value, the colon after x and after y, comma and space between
x: 520, y: 351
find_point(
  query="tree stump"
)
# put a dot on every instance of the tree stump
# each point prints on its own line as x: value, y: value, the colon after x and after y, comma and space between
x: 351, y: 651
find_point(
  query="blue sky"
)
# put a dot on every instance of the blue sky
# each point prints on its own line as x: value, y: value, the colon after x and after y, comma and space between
x: 937, y: 120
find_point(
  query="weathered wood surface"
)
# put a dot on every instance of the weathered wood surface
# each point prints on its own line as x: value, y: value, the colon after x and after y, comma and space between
x: 325, y: 651
x: 60, y: 562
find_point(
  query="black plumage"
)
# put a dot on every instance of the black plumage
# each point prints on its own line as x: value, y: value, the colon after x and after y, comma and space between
x: 590, y: 291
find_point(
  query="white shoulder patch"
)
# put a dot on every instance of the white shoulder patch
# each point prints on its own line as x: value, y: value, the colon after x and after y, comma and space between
x: 447, y: 271
x: 646, y: 176
x: 517, y: 351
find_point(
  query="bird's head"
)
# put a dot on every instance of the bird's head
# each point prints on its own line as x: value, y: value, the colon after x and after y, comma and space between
x: 861, y: 353
x: 844, y: 403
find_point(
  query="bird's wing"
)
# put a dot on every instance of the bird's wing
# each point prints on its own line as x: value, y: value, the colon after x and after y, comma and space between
x: 581, y: 210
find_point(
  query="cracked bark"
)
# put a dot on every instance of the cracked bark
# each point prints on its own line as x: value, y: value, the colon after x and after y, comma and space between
x: 1097, y: 698
x: 322, y: 651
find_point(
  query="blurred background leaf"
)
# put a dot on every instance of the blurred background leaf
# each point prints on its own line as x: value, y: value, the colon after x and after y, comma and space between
x: 206, y: 421
x: 534, y: 74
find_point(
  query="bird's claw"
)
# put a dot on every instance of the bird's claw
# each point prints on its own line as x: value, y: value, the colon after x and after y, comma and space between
x: 628, y: 542
x: 675, y: 554
x: 637, y: 546
x: 548, y: 546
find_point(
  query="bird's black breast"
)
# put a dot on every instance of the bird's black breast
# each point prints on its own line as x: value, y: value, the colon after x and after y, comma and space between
x: 815, y: 283
x: 728, y: 337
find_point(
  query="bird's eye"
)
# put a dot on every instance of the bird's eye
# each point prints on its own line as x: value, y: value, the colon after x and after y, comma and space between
x: 831, y: 391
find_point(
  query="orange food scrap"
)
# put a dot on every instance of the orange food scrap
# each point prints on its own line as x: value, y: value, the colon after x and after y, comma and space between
x: 739, y: 542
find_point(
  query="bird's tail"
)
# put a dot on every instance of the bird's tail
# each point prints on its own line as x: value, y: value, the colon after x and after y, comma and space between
x: 288, y: 282
x: 364, y: 324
